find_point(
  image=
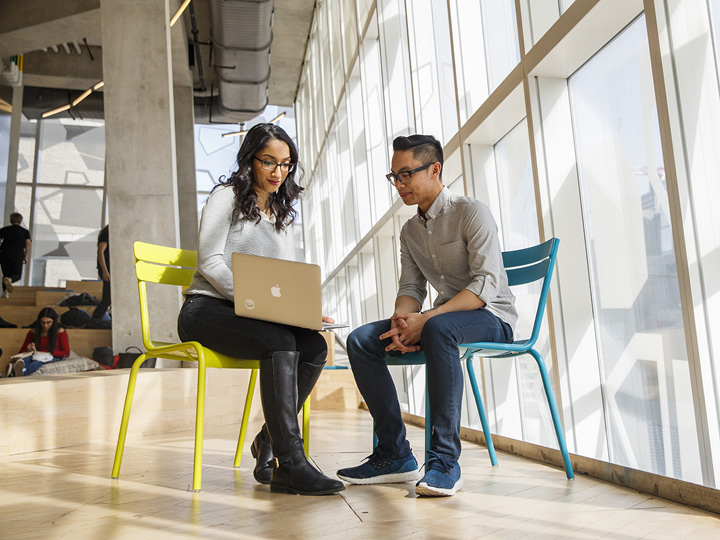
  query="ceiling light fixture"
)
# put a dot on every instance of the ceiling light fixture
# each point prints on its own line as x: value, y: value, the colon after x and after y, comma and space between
x: 235, y: 133
x: 82, y: 96
x: 179, y: 12
x: 278, y: 117
x: 76, y: 101
x: 56, y: 111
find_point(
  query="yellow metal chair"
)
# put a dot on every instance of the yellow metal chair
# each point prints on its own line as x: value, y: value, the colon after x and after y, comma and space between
x: 171, y: 266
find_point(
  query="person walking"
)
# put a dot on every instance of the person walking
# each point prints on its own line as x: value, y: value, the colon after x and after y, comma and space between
x: 14, y: 252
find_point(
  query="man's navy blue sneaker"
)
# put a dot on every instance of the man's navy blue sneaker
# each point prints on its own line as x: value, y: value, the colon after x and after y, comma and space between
x: 381, y: 469
x: 442, y: 477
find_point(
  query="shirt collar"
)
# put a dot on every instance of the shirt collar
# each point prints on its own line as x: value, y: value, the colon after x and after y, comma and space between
x: 438, y: 205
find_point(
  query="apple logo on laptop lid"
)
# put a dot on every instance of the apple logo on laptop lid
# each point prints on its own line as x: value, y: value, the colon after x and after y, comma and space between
x: 275, y: 291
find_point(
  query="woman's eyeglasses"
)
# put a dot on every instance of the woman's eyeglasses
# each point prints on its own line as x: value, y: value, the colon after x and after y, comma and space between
x: 268, y: 165
x: 405, y: 177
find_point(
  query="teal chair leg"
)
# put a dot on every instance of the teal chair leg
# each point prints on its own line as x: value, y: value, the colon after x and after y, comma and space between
x: 554, y: 414
x: 481, y: 412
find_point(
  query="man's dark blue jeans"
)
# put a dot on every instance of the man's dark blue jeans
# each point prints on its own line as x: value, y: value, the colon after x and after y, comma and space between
x: 439, y: 340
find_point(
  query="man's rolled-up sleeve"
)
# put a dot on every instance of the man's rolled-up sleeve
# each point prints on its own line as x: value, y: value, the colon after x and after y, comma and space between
x: 484, y: 253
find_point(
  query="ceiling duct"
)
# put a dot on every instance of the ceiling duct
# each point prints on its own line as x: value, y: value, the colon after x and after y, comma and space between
x: 241, y: 35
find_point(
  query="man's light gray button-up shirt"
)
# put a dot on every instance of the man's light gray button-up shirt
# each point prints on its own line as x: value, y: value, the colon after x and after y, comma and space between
x: 455, y: 246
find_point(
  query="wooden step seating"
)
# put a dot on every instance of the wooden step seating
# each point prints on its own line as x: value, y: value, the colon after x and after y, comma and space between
x: 82, y: 341
x: 93, y: 288
x: 52, y: 411
x: 24, y: 304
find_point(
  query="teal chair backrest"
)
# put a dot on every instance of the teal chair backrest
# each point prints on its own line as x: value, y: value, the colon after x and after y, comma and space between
x: 532, y: 264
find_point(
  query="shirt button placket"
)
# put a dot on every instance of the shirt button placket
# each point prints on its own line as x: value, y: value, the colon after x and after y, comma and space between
x: 431, y: 244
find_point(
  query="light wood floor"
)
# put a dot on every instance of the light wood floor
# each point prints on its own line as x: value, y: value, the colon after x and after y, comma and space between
x: 67, y: 493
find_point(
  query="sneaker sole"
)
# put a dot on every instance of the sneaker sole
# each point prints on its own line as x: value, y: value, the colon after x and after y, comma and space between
x: 395, y: 478
x: 430, y: 491
x: 8, y: 285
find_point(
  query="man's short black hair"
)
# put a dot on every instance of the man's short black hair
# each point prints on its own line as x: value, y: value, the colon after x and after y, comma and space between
x: 16, y: 217
x: 425, y: 148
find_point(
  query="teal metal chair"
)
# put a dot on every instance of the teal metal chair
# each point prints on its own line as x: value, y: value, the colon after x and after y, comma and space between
x: 522, y: 266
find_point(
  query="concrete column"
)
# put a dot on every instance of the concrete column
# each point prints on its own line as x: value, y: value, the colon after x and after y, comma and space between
x: 185, y: 147
x: 184, y: 131
x: 13, y: 152
x: 140, y: 157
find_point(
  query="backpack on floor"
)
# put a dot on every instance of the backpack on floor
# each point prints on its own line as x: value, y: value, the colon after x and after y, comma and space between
x: 105, y: 357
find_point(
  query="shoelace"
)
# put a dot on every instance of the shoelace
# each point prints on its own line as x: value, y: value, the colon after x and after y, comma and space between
x: 378, y: 461
x: 437, y: 463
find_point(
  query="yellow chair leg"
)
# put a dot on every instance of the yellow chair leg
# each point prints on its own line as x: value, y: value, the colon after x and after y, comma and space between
x: 245, y: 418
x: 306, y: 426
x: 126, y: 416
x: 199, y: 425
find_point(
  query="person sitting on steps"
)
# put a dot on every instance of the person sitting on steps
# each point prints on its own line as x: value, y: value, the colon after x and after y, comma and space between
x: 45, y: 335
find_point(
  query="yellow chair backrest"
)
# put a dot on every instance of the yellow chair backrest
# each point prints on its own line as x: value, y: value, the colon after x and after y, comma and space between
x: 163, y: 265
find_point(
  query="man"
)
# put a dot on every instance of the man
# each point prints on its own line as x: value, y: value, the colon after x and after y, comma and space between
x: 103, y: 267
x: 14, y: 252
x: 453, y: 244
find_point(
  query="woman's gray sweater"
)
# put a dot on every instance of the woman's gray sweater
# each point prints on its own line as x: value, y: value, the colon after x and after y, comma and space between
x: 219, y: 238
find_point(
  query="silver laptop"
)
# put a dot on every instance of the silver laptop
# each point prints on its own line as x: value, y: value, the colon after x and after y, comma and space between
x: 279, y: 291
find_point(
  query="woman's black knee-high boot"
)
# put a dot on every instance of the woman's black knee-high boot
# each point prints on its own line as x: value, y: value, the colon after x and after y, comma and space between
x: 279, y: 393
x: 264, y: 459
x: 308, y: 375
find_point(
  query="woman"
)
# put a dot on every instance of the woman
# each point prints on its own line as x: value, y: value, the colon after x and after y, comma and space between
x: 252, y: 213
x: 45, y: 335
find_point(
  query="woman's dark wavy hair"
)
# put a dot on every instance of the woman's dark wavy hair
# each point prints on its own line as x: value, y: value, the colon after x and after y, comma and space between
x: 49, y: 313
x: 245, y: 206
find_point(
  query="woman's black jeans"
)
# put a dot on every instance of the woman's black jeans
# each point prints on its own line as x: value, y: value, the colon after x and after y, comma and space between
x: 213, y: 323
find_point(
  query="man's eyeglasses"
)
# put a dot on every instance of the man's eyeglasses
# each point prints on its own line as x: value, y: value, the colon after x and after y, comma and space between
x: 268, y: 165
x: 406, y: 176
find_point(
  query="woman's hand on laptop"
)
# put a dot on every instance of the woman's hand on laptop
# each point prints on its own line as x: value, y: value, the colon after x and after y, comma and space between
x: 327, y: 320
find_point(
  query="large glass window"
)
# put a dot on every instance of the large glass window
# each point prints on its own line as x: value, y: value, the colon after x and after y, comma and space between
x: 618, y: 359
x: 65, y: 227
x: 538, y: 17
x: 519, y: 229
x: 62, y: 201
x: 358, y: 149
x: 396, y: 71
x: 502, y: 49
x: 634, y: 279
x: 432, y: 69
x: 349, y: 31
x: 73, y: 152
x: 215, y: 157
x: 5, y: 122
x: 374, y: 109
x: 486, y: 48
